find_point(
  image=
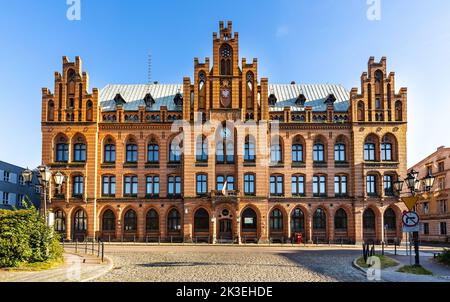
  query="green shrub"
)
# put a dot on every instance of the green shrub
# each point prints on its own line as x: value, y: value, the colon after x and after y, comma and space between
x: 444, y: 257
x: 24, y: 238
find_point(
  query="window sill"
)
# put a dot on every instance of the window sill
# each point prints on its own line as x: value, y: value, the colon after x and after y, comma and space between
x: 320, y: 195
x: 108, y: 166
x: 150, y: 165
x: 201, y: 164
x: 152, y: 196
x: 130, y: 165
x: 320, y: 165
x: 130, y: 196
x: 109, y: 196
x: 298, y: 165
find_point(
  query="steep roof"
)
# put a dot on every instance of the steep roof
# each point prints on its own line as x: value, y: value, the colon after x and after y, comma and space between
x: 164, y: 95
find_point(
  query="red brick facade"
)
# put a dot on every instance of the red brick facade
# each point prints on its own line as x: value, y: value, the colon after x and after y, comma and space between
x: 253, y: 210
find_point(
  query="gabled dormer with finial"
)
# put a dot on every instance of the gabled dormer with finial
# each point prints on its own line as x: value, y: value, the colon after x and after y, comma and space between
x: 149, y: 100
x: 120, y: 101
x: 330, y: 100
x: 301, y: 100
x: 272, y: 99
x: 178, y: 99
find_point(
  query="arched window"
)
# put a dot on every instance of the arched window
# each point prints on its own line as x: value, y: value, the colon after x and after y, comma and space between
x: 89, y: 111
x: 201, y: 221
x: 201, y: 149
x: 250, y: 96
x: 79, y: 152
x: 130, y: 221
x: 398, y: 111
x: 370, y: 148
x: 379, y: 82
x: 297, y: 152
x: 340, y: 152
x: 361, y: 112
x: 226, y: 56
x: 131, y: 151
x: 298, y: 221
x: 319, y: 151
x: 71, y: 77
x: 250, y: 148
x: 319, y: 220
x: 109, y: 155
x: 60, y: 221
x: 276, y: 151
x: 276, y: 220
x: 249, y: 220
x: 77, y: 186
x: 340, y: 220
x: 152, y: 221
x: 202, y: 90
x: 153, y: 153
x: 174, y: 186
x: 108, y: 221
x: 175, y: 151
x: 390, y: 219
x: 174, y: 221
x: 62, y: 150
x: 298, y: 185
x: 369, y: 219
x: 80, y: 221
x: 51, y: 111
x: 225, y: 144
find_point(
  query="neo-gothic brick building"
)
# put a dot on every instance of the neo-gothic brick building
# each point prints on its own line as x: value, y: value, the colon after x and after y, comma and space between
x: 331, y: 156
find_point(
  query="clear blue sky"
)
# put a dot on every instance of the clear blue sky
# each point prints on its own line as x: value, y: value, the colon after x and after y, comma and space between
x: 324, y: 41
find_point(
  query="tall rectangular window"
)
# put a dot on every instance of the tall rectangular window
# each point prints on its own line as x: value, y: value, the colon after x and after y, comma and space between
x: 369, y: 152
x: 340, y: 185
x: 339, y: 153
x: 109, y: 186
x: 174, y: 186
x: 220, y: 182
x: 371, y: 185
x: 298, y: 185
x: 5, y: 198
x: 249, y: 184
x: 319, y: 153
x: 319, y: 185
x: 386, y: 152
x: 80, y: 153
x: 78, y: 186
x: 62, y: 153
x: 443, y: 228
x: 130, y: 186
x: 131, y: 153
x: 153, y: 153
x: 297, y: 153
x: 388, y: 185
x: 152, y: 185
x: 276, y: 185
x: 202, y: 184
x: 426, y: 228
x: 230, y: 183
x: 110, y: 153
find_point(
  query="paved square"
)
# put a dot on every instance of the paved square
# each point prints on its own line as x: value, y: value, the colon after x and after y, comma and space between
x: 230, y: 264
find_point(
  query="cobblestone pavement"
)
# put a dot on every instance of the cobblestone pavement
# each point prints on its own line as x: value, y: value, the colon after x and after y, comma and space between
x: 230, y: 264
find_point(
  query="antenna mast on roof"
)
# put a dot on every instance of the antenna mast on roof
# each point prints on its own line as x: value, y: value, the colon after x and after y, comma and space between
x: 149, y: 75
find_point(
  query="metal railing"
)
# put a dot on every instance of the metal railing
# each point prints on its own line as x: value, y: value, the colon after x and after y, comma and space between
x: 86, y: 247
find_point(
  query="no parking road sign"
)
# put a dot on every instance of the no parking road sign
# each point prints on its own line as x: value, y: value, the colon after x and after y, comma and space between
x: 410, y: 222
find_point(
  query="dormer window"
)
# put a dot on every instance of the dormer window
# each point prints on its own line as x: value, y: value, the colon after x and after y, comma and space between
x: 149, y: 101
x: 301, y: 100
x: 330, y: 99
x: 119, y: 100
x: 178, y: 100
x: 272, y: 100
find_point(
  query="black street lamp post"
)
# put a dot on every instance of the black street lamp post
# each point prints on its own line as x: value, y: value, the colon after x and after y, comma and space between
x: 415, y: 187
x: 44, y: 176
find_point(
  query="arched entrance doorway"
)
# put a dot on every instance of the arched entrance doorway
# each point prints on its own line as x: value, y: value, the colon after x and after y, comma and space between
x: 79, y: 225
x: 201, y: 226
x: 369, y: 225
x: 249, y: 226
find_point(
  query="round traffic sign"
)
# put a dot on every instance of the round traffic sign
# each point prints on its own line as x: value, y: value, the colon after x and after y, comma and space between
x: 410, y: 219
